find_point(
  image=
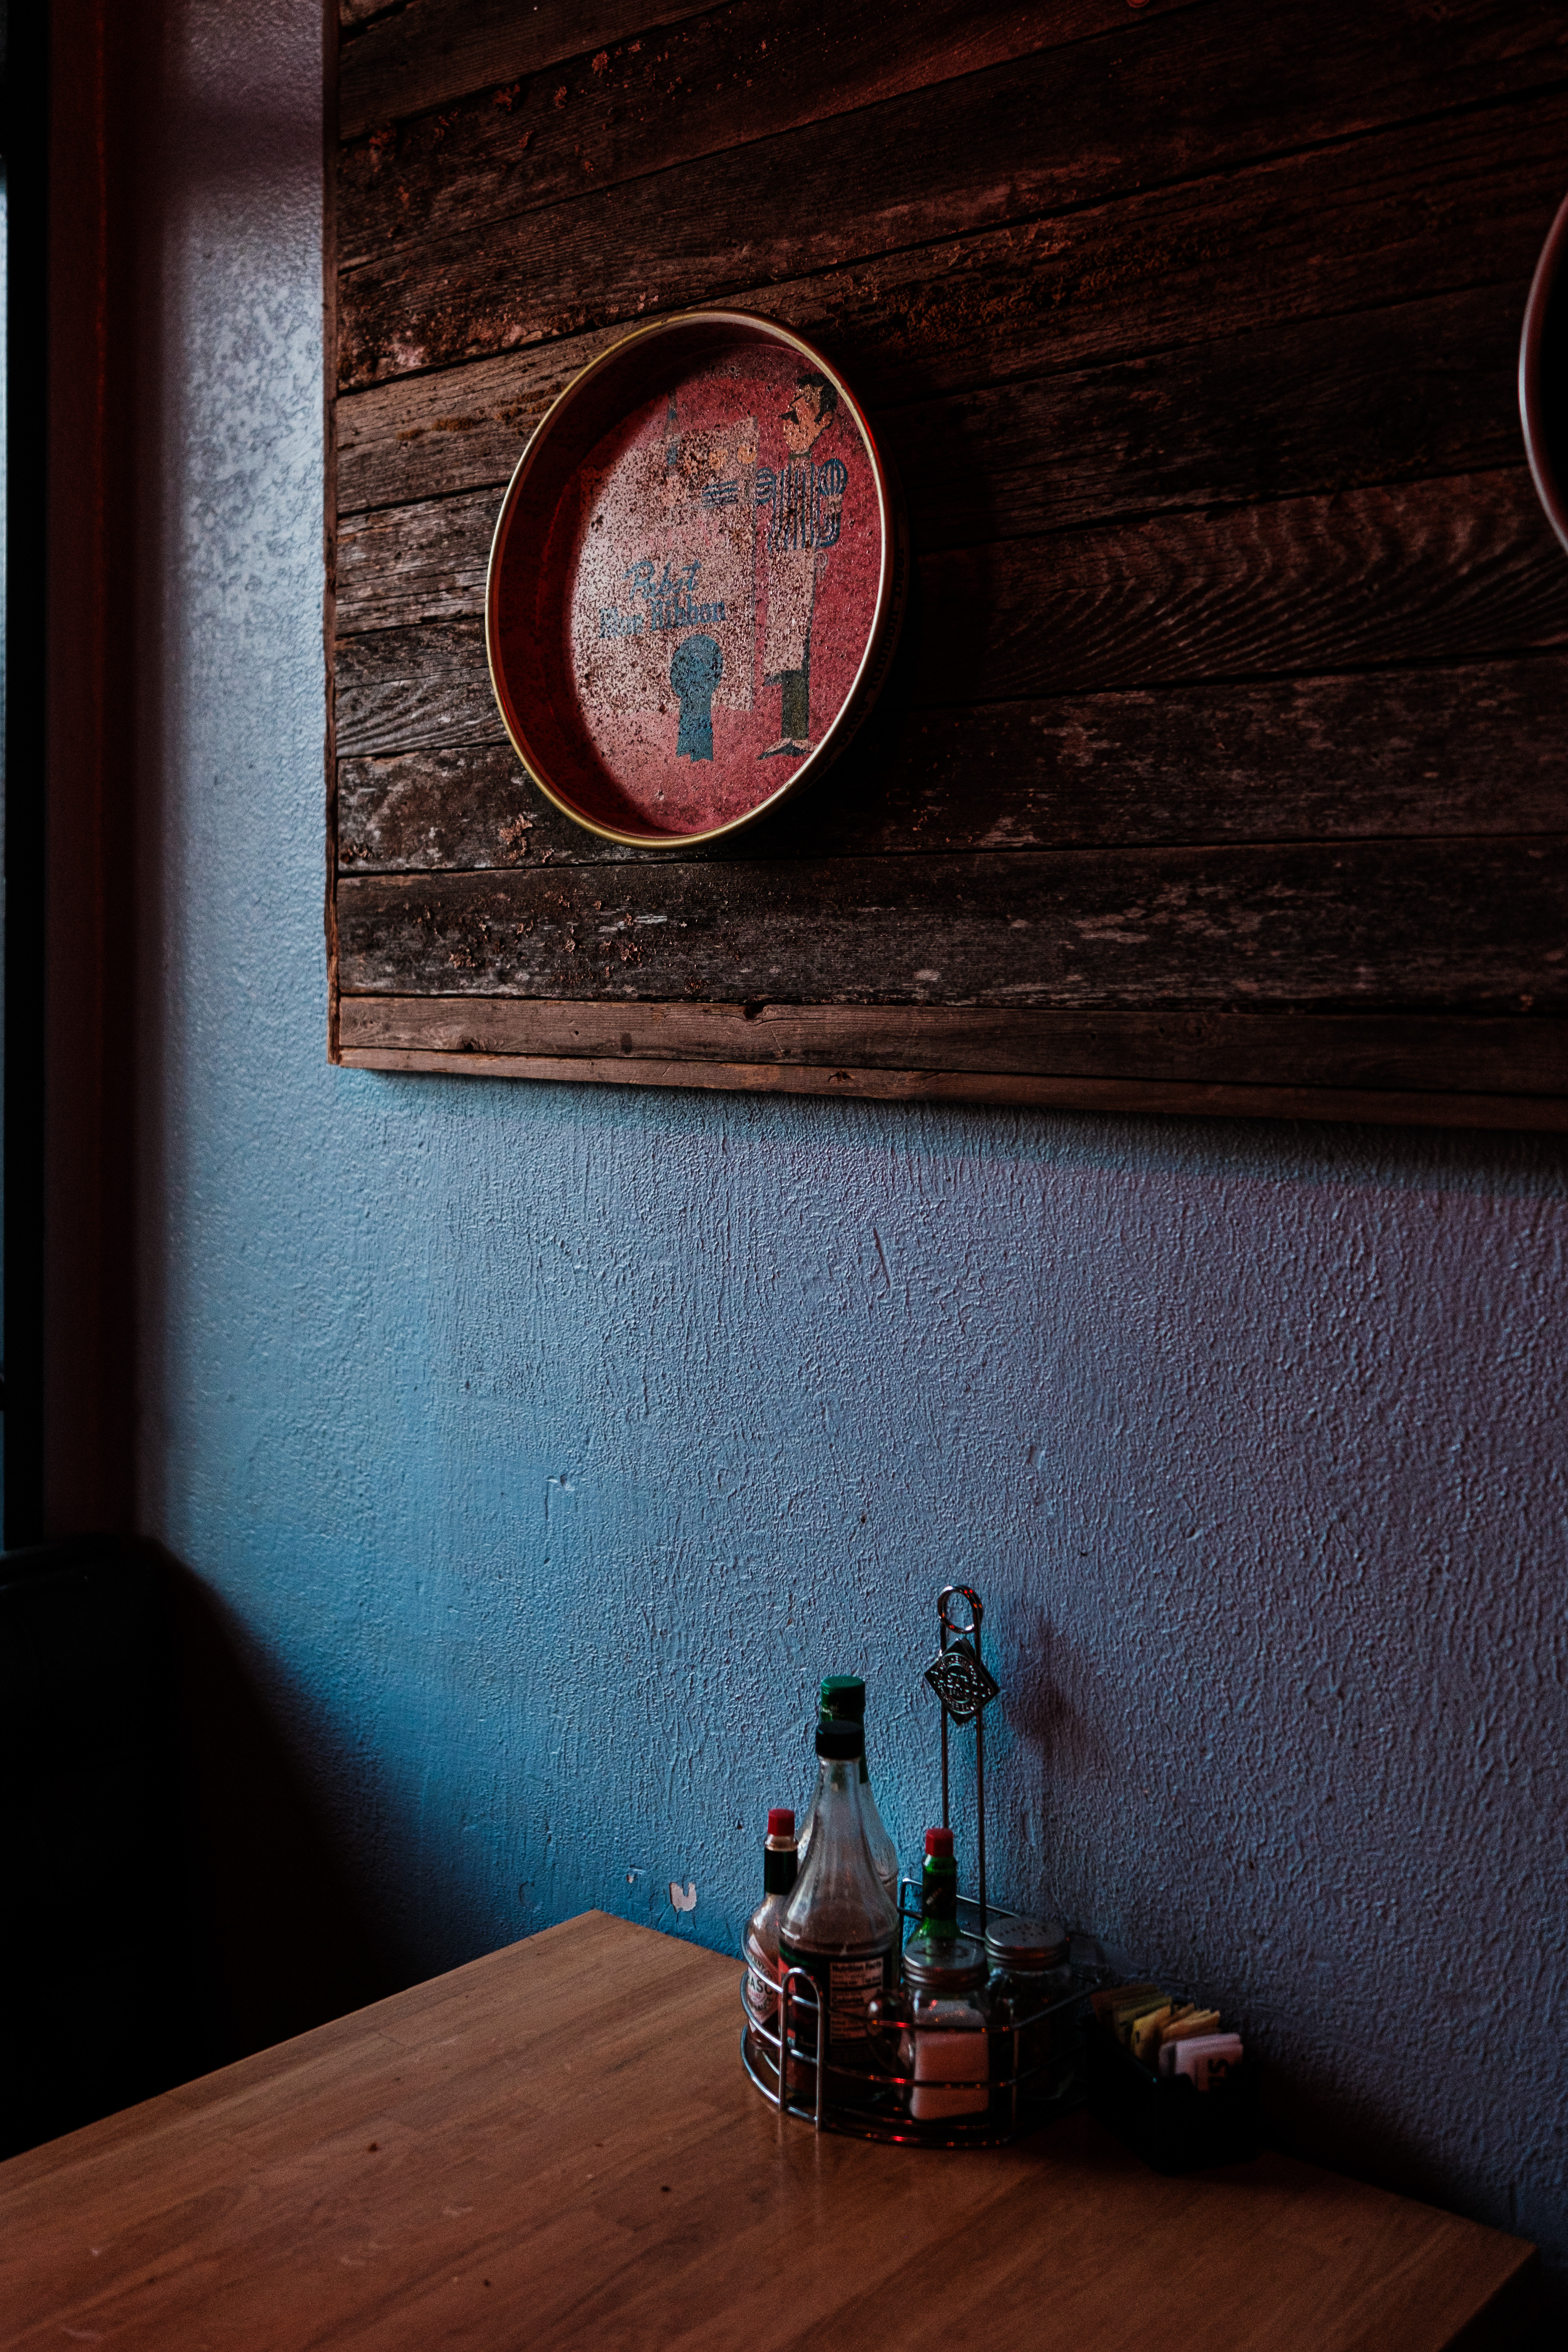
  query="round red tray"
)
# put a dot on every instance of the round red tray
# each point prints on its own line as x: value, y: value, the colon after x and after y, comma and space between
x: 696, y: 580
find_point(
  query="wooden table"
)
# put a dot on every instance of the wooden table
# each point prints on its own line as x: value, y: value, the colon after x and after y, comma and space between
x: 556, y: 2146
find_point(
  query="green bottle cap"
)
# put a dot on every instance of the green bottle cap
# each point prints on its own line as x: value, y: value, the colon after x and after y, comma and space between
x: 844, y: 1698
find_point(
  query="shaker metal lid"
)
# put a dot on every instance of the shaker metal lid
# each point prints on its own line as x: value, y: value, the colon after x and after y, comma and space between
x: 949, y: 1964
x: 1026, y: 1942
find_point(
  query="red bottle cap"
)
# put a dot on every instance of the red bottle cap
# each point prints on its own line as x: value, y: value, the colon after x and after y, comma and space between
x: 781, y: 1821
x: 940, y: 1842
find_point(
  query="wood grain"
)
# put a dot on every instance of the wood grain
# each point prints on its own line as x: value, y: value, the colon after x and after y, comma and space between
x: 1478, y: 926
x: 1106, y: 1098
x: 508, y: 2156
x: 1424, y: 389
x: 1376, y: 1053
x: 1189, y: 93
x: 672, y: 96
x: 436, y: 50
x: 1421, y: 389
x: 1191, y: 333
x: 1444, y: 571
x: 1416, y: 753
x: 400, y: 688
x: 1435, y: 207
x: 403, y: 566
x: 1441, y: 571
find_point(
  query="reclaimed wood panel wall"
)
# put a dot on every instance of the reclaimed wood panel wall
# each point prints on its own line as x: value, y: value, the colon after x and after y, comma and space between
x: 1223, y: 764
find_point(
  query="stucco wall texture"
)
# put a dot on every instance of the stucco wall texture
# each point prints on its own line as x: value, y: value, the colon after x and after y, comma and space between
x: 546, y: 1443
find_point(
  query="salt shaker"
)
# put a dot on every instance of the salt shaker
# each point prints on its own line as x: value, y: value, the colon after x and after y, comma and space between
x: 946, y: 2049
x: 1029, y: 1974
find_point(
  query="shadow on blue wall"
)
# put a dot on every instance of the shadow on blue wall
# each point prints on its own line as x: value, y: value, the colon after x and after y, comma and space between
x: 172, y: 1901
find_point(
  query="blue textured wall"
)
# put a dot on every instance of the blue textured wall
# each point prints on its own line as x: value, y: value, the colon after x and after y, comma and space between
x: 546, y: 1443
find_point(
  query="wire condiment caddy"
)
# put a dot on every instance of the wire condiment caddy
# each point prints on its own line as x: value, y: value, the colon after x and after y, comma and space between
x: 1026, y: 2065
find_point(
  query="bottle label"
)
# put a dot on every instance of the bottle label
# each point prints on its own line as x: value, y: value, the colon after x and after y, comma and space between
x: 844, y: 1987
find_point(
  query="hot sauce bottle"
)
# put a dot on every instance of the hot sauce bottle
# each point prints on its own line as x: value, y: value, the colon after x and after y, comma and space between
x: 760, y: 1944
x: 939, y: 1889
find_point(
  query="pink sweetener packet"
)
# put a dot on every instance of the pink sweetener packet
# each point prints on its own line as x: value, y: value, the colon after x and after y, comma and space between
x: 1208, y: 2058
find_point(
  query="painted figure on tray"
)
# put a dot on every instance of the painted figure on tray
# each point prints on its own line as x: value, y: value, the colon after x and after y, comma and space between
x: 807, y: 502
x: 695, y: 670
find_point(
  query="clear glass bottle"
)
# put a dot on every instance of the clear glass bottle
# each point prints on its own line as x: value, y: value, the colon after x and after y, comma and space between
x: 840, y: 1923
x: 1029, y: 1974
x: 842, y: 1699
x: 760, y: 1943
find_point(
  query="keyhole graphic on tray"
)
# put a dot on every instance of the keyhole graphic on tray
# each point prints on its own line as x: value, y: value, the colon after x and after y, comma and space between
x: 693, y: 674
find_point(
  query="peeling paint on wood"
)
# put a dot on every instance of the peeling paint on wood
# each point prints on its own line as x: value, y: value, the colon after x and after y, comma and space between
x: 1372, y: 924
x: 1420, y: 753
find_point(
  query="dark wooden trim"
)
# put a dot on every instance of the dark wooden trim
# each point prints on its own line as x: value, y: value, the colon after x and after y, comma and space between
x: 99, y: 350
x: 28, y: 746
x: 1099, y: 1095
x: 330, y: 43
x: 1426, y: 1053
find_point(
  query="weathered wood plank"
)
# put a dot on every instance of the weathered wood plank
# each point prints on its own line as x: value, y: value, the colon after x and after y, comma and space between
x: 1447, y: 572
x: 1202, y: 88
x: 673, y: 96
x: 401, y: 565
x: 1105, y: 1098
x: 1420, y: 753
x: 1425, y: 388
x: 1524, y: 1054
x: 1474, y: 926
x: 1443, y: 572
x: 467, y: 805
x: 1431, y: 207
x: 1329, y: 403
x: 400, y: 688
x: 436, y: 50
